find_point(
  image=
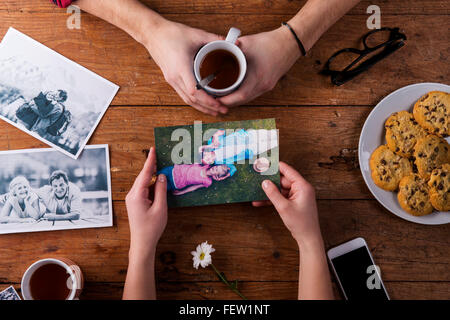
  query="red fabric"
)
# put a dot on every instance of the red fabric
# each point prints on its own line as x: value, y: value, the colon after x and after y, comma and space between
x: 62, y: 3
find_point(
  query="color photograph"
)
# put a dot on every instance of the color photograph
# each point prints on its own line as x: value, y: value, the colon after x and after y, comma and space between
x: 217, y: 163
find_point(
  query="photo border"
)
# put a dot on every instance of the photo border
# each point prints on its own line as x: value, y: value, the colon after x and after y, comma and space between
x: 110, y: 222
x: 13, y: 32
x: 235, y: 124
x: 15, y: 292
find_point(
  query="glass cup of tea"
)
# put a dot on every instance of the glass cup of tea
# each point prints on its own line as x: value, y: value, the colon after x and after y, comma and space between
x: 52, y: 279
x: 220, y: 66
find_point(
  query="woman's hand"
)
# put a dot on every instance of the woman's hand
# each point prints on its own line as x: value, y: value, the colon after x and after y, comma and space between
x: 147, y: 218
x: 173, y: 47
x: 11, y: 196
x: 296, y: 205
x: 217, y: 178
x: 269, y: 56
x: 187, y: 190
x: 29, y: 198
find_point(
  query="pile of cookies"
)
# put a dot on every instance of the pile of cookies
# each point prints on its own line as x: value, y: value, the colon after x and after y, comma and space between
x: 416, y: 159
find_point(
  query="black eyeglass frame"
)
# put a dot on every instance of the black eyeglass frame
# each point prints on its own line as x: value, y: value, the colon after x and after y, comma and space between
x: 395, y: 42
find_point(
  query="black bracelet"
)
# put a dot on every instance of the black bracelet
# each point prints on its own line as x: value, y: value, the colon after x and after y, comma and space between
x: 300, y: 44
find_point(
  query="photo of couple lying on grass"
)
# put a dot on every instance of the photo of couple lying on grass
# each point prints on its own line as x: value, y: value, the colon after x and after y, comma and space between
x: 41, y: 189
x: 218, y: 162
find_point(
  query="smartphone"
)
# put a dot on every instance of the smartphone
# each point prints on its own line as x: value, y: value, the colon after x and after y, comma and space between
x: 357, y: 274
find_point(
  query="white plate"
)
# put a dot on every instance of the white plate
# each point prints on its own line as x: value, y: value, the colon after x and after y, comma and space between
x: 373, y: 135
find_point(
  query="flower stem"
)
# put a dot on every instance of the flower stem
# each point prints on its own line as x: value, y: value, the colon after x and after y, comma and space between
x: 235, y: 290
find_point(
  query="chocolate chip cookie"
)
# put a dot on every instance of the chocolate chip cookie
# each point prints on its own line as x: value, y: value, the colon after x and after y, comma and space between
x: 402, y: 133
x: 388, y: 168
x: 430, y: 152
x: 432, y: 111
x: 440, y: 188
x: 413, y: 195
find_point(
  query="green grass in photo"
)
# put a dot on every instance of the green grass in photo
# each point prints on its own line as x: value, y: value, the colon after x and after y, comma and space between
x: 243, y: 186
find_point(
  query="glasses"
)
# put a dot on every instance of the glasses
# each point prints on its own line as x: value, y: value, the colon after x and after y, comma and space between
x: 384, y: 40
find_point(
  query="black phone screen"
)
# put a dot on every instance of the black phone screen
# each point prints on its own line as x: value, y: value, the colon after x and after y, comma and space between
x: 358, y: 277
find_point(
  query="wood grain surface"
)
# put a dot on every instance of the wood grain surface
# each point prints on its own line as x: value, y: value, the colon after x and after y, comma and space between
x: 99, y: 46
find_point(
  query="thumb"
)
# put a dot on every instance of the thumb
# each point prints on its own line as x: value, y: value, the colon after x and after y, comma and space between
x: 161, y: 192
x: 274, y: 195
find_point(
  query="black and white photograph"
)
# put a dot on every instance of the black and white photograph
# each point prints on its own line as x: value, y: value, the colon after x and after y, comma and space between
x: 49, y: 96
x: 9, y: 294
x: 43, y: 190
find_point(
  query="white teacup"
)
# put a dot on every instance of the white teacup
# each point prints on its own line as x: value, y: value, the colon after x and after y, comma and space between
x: 229, y: 45
x: 74, y: 283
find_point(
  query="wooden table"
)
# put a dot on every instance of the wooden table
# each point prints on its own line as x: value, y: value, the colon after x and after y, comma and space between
x: 319, y: 128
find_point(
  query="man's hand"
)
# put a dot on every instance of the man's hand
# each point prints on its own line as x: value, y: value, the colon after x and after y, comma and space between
x: 269, y: 56
x: 3, y: 198
x: 147, y: 218
x: 173, y: 47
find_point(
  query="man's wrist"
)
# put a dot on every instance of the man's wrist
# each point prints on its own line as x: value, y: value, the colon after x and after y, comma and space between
x: 150, y: 29
x: 289, y: 44
x: 299, y: 29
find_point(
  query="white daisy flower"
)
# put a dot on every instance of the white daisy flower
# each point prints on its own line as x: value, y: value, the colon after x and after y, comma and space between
x: 202, y: 255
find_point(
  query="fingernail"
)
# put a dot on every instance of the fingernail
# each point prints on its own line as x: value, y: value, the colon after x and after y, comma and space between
x: 265, y: 184
x: 223, y: 110
x: 162, y: 178
x: 150, y: 151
